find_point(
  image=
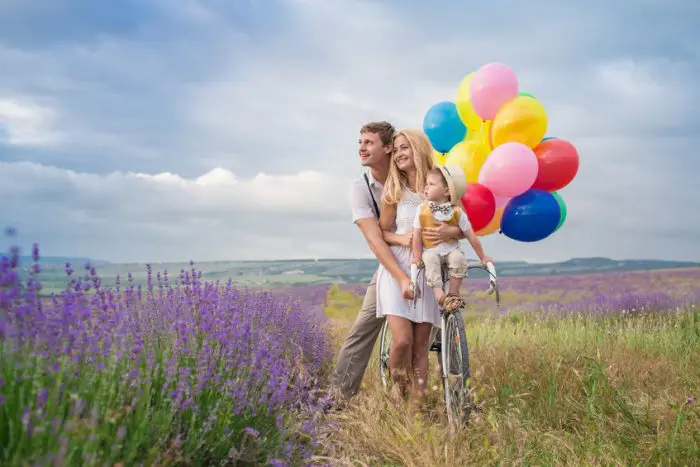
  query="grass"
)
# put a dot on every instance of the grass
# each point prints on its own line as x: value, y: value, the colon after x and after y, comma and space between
x: 341, y: 303
x: 578, y: 390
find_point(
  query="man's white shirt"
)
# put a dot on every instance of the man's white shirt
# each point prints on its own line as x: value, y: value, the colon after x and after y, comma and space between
x: 360, y: 199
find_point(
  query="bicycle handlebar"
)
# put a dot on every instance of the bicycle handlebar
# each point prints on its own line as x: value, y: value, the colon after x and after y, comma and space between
x: 490, y: 268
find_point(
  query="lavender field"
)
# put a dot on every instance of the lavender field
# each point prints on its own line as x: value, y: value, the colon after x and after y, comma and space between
x: 180, y: 371
x: 610, y: 292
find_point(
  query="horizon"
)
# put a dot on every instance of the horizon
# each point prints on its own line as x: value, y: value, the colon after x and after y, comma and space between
x: 367, y: 258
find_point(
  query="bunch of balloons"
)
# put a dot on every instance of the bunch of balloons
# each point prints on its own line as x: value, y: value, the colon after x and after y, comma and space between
x: 497, y: 135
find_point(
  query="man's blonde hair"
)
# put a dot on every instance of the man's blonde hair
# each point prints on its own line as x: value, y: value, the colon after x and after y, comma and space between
x: 422, y: 159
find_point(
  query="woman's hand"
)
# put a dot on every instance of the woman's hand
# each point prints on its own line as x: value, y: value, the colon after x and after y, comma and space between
x: 407, y: 288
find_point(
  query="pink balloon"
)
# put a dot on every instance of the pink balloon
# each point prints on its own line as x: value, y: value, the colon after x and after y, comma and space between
x: 510, y: 170
x: 493, y: 85
x: 501, y: 201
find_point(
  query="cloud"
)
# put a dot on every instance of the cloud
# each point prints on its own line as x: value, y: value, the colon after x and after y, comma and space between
x: 240, y: 214
x: 199, y: 129
x: 27, y: 124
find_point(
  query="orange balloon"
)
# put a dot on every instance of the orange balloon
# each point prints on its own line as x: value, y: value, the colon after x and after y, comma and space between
x: 492, y: 226
x: 520, y: 120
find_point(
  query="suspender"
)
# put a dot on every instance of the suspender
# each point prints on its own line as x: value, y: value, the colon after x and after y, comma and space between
x: 376, y: 208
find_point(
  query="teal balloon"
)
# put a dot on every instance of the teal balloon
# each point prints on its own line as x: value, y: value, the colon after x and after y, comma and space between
x: 562, y: 208
x: 547, y: 139
x: 443, y: 127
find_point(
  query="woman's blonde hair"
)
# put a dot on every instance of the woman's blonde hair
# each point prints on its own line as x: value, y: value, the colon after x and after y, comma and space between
x: 422, y: 159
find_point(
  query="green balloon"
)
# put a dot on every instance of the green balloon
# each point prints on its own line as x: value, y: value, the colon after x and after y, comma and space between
x: 526, y: 94
x: 562, y: 208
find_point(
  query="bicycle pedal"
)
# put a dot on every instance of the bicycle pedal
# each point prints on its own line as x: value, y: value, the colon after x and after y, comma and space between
x: 436, y: 347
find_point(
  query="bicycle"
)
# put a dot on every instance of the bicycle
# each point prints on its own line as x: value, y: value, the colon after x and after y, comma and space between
x: 454, y: 362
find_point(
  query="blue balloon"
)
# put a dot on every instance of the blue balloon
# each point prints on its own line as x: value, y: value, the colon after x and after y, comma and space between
x: 443, y: 127
x: 531, y: 216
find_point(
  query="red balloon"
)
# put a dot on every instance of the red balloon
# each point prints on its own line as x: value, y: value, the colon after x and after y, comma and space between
x: 558, y: 162
x: 479, y: 204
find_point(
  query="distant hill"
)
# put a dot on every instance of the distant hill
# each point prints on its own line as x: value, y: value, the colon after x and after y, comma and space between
x: 323, y: 271
x: 46, y: 260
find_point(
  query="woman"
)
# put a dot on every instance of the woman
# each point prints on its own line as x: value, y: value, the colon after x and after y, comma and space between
x: 410, y: 326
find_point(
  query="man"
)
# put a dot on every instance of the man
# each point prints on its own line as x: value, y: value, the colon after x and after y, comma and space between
x: 375, y: 149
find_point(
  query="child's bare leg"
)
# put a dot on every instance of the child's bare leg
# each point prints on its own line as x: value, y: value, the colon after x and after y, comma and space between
x: 455, y: 284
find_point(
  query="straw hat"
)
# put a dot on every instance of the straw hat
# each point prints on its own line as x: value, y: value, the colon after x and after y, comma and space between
x: 456, y: 181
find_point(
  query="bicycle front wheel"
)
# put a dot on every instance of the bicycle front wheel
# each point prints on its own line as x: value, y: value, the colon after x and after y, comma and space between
x: 384, y: 347
x: 454, y: 362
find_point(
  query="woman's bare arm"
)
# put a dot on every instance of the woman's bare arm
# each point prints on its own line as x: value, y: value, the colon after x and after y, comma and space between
x: 387, y: 216
x: 387, y: 219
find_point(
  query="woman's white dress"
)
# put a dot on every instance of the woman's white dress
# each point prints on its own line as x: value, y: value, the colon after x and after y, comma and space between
x: 390, y: 300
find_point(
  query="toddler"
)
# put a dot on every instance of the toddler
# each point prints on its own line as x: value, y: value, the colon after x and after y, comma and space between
x: 444, y: 189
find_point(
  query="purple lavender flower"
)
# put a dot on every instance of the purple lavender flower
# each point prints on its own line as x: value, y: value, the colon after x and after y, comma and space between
x: 232, y: 357
x: 252, y: 432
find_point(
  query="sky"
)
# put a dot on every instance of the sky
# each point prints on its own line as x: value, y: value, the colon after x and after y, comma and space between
x: 155, y: 130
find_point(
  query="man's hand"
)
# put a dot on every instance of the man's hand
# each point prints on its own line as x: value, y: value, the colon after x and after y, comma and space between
x: 486, y: 259
x: 407, y: 288
x: 442, y: 233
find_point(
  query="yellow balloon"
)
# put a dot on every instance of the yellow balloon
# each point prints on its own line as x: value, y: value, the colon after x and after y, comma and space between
x: 492, y: 226
x: 474, y: 164
x: 467, y: 155
x: 481, y: 136
x: 520, y: 120
x: 464, y: 105
x: 439, y: 158
x: 459, y: 153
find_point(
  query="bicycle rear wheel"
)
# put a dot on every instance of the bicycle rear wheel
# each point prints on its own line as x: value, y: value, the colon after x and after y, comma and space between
x: 384, y: 347
x: 454, y: 366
